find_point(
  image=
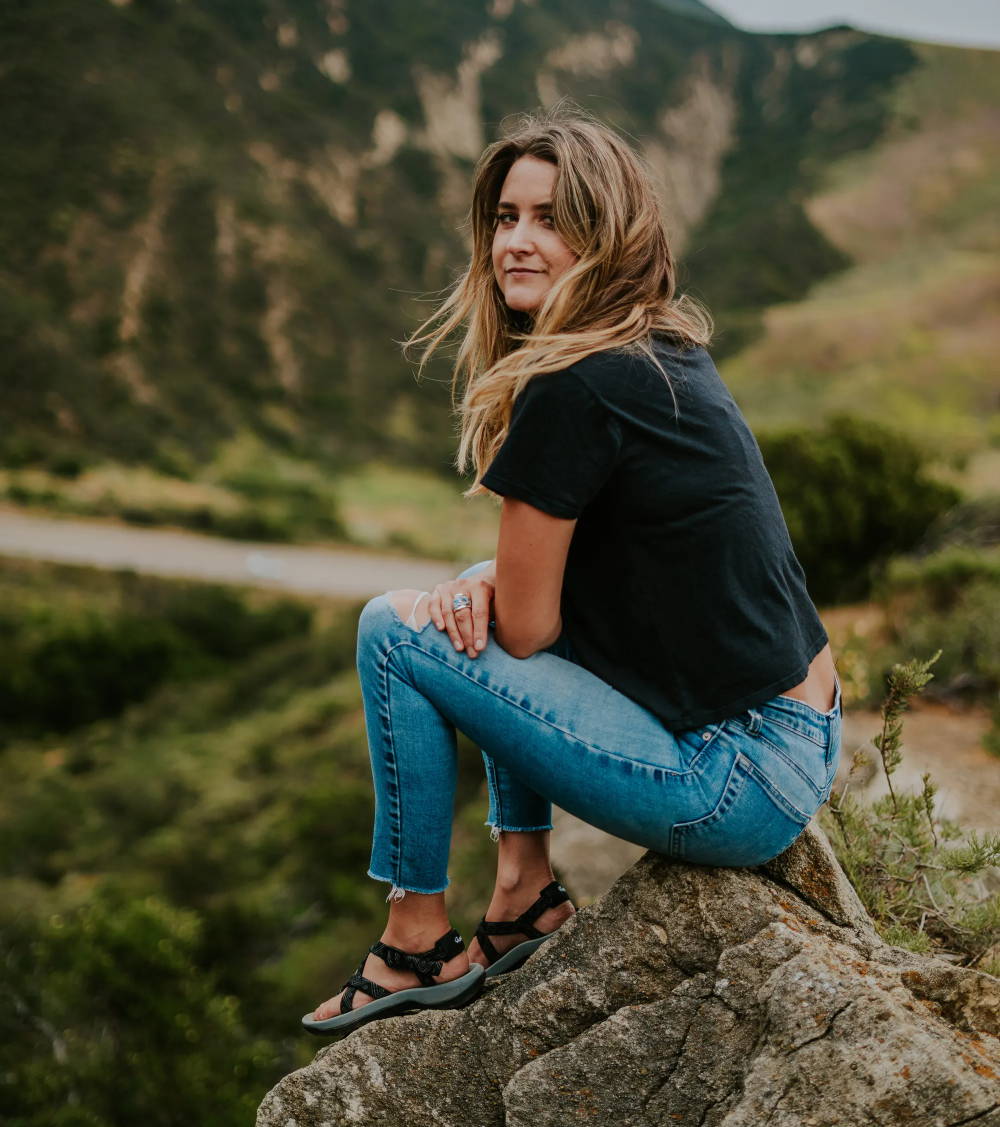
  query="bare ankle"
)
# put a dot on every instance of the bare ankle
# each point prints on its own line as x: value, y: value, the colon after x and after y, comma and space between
x: 512, y: 883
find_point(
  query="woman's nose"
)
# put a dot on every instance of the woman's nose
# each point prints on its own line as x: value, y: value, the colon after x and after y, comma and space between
x: 520, y: 237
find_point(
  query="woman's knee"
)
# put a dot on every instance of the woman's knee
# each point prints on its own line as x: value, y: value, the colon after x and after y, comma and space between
x: 384, y: 613
x: 411, y: 606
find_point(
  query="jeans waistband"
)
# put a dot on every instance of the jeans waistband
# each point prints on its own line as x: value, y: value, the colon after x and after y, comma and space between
x: 801, y: 716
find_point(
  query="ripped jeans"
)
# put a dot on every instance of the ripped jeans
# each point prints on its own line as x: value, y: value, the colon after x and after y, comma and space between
x: 736, y: 792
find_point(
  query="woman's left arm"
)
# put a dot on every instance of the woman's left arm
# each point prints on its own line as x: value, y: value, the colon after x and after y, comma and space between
x: 531, y: 557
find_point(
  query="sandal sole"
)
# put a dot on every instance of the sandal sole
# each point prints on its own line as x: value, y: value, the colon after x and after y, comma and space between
x: 516, y: 956
x: 445, y: 996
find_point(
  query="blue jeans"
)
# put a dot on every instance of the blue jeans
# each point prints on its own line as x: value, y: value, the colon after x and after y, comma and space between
x: 736, y: 792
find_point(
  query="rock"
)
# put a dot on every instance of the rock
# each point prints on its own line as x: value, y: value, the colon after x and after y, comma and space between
x: 685, y: 995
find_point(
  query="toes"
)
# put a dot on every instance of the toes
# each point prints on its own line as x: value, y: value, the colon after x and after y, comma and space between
x: 329, y: 1008
x: 332, y: 1007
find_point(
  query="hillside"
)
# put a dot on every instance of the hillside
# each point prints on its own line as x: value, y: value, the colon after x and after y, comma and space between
x: 185, y: 825
x: 216, y: 221
x: 910, y: 331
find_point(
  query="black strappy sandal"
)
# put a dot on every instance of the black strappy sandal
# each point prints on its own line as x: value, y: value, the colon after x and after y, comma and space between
x: 551, y: 895
x: 391, y: 1003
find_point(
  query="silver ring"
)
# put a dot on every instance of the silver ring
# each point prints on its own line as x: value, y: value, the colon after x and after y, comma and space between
x: 460, y: 601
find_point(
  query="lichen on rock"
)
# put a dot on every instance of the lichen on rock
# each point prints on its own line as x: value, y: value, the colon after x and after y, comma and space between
x: 685, y: 995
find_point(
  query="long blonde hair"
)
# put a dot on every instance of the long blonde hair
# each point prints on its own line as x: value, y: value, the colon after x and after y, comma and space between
x: 620, y: 293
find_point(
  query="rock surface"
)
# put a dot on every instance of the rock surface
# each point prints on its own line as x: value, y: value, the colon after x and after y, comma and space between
x: 685, y: 996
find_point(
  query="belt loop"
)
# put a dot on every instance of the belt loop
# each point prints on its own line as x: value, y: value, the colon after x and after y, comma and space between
x: 755, y: 722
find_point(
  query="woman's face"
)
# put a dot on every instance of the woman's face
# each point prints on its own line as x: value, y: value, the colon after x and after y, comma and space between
x: 528, y: 253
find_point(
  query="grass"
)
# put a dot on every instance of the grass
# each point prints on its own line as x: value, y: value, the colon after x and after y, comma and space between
x: 250, y: 492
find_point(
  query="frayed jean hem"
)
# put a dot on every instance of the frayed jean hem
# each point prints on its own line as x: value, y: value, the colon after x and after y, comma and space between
x: 396, y: 893
x: 496, y: 830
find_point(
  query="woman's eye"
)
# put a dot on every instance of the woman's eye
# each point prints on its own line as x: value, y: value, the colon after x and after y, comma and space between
x: 548, y: 220
x: 503, y: 216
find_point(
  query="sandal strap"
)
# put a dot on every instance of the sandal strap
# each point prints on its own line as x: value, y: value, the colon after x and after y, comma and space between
x: 356, y: 982
x: 486, y: 943
x: 551, y: 895
x: 425, y: 964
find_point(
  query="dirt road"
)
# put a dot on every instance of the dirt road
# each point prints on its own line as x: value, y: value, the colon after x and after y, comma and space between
x: 344, y: 572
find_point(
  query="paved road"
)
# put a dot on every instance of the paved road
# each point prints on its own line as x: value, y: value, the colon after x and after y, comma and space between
x: 324, y: 571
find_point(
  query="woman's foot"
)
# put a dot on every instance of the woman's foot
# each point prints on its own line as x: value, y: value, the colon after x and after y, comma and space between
x: 392, y: 979
x: 508, y: 905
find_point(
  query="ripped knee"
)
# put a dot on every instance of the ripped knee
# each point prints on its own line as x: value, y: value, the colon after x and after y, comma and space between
x: 411, y: 606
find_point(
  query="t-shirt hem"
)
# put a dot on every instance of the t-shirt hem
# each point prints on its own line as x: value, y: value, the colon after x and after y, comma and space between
x: 758, y: 696
x: 512, y: 489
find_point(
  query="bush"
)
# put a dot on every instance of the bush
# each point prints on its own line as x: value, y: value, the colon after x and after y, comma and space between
x: 220, y: 623
x: 83, y: 668
x: 853, y: 494
x: 111, y: 1018
x: 62, y: 668
x: 921, y: 893
x: 950, y: 601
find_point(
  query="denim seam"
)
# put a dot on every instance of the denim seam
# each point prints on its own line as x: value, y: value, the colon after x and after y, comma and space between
x: 494, y: 788
x: 798, y: 731
x: 790, y: 763
x: 536, y: 716
x: 705, y: 745
x: 730, y: 792
x: 396, y: 806
x: 777, y: 797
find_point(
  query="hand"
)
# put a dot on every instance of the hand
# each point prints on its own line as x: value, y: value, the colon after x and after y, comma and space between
x: 467, y: 627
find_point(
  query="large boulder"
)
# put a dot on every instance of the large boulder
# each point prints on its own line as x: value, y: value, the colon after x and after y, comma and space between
x: 685, y: 996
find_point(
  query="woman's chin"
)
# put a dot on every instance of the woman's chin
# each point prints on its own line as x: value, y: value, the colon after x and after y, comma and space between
x: 522, y: 303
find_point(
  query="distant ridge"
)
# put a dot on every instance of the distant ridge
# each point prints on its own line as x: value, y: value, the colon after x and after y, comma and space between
x: 695, y: 10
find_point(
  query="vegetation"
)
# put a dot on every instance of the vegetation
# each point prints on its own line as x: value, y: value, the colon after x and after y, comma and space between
x: 294, y: 205
x: 854, y: 493
x: 908, y: 330
x: 250, y: 493
x: 66, y: 662
x: 182, y: 881
x: 922, y: 893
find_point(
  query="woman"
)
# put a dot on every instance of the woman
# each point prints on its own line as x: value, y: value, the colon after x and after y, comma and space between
x: 642, y: 651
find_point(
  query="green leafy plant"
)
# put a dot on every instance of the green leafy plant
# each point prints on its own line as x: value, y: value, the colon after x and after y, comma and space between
x: 854, y: 494
x: 925, y: 889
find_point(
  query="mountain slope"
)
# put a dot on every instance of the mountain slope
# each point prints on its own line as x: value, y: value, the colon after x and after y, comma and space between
x: 218, y: 220
x: 910, y: 331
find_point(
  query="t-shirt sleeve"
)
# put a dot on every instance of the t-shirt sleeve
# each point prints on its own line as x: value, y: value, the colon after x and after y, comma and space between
x: 562, y: 446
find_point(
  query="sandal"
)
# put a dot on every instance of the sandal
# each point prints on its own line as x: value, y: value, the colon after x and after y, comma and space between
x: 430, y: 995
x: 551, y: 895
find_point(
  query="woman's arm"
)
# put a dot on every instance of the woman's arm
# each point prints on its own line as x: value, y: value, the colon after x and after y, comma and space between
x: 531, y: 558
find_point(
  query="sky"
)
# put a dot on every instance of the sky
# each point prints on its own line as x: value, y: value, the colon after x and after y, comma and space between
x: 967, y: 23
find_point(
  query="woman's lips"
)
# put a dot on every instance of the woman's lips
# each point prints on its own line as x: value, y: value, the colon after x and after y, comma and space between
x: 521, y: 270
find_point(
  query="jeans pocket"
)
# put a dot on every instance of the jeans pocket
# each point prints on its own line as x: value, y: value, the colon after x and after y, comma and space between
x: 749, y: 824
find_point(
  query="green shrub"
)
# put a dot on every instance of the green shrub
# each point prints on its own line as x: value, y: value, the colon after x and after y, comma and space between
x: 111, y: 1017
x: 853, y: 494
x: 950, y: 601
x: 921, y: 893
x: 83, y: 668
x: 64, y: 667
x: 218, y: 620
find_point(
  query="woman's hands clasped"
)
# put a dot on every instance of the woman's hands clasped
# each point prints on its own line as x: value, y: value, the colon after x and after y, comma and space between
x: 466, y: 627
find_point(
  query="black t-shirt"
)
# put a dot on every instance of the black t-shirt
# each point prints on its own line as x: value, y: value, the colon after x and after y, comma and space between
x: 681, y: 587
